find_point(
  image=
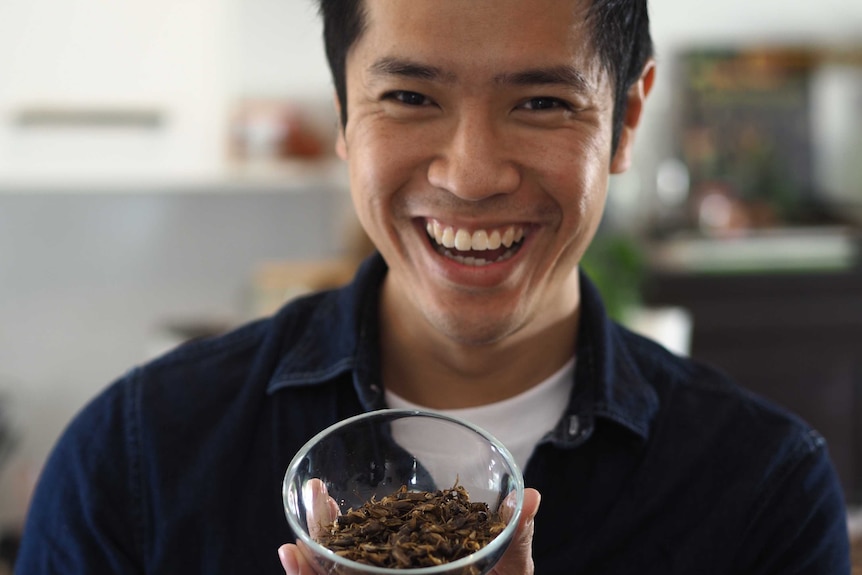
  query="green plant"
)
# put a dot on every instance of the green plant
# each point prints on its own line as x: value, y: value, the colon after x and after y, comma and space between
x: 616, y: 264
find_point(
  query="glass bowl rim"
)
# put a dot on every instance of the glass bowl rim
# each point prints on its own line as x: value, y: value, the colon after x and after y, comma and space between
x: 503, y: 538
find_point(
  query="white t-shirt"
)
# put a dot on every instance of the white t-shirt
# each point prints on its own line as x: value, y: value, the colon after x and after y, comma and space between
x: 505, y: 419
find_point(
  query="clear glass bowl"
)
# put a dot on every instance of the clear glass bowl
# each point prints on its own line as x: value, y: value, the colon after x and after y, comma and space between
x: 374, y: 454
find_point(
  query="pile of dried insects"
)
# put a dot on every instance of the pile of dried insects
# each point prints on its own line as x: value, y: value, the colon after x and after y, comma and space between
x: 409, y: 529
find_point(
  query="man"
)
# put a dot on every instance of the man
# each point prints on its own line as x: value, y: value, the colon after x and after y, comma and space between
x: 480, y: 135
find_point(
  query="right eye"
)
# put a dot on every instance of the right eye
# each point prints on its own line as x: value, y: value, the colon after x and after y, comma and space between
x: 407, y: 98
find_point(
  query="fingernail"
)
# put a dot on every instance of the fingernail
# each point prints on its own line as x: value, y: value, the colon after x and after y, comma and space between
x: 530, y: 518
x: 318, y: 492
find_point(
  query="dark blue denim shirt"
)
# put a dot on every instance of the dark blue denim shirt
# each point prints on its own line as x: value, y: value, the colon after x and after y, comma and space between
x: 659, y: 466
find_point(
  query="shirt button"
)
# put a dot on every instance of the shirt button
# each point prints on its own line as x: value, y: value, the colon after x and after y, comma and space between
x: 574, y: 425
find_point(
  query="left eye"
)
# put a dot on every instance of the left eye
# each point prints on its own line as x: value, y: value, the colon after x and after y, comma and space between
x: 544, y: 103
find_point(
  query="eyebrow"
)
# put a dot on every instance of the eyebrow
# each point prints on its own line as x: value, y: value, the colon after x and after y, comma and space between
x: 558, y: 75
x: 390, y: 66
x: 555, y: 75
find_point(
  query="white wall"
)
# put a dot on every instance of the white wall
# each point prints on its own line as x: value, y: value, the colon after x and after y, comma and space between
x: 280, y: 50
x: 162, y: 56
x: 676, y: 21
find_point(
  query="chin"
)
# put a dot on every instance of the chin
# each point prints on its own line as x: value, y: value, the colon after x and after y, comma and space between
x: 473, y: 331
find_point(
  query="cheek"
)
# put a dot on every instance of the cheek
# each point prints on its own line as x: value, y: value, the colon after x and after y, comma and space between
x: 368, y: 169
x: 382, y: 166
x: 379, y: 155
x: 595, y: 186
x: 386, y: 163
x: 577, y: 178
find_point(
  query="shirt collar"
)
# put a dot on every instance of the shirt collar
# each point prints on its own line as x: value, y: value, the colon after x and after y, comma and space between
x: 341, y: 334
x: 609, y: 383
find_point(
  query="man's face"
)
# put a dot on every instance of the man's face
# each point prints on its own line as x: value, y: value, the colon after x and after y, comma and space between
x: 479, y: 147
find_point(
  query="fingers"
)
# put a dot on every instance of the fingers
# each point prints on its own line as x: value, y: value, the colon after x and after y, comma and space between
x: 293, y: 561
x: 287, y: 555
x: 518, y: 559
x: 321, y: 509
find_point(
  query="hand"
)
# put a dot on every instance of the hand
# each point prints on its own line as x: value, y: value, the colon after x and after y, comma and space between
x: 321, y: 510
x: 294, y: 559
x: 518, y: 559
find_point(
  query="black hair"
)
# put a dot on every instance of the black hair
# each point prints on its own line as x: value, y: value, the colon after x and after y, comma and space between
x: 343, y: 24
x: 621, y: 33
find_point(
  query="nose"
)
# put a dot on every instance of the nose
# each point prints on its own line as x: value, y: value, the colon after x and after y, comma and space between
x: 474, y: 162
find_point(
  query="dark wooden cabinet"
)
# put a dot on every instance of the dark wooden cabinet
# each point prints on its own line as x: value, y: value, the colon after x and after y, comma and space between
x: 795, y: 338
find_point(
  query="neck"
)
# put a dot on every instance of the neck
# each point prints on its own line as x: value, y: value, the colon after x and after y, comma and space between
x: 430, y: 369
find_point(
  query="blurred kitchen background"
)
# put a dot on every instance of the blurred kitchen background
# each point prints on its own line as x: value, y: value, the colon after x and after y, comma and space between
x: 166, y: 172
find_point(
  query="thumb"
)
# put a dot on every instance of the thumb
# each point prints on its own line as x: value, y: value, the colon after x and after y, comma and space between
x: 294, y: 561
x: 518, y: 558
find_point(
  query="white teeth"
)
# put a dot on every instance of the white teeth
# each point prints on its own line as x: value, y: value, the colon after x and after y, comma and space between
x: 479, y: 240
x: 447, y: 238
x: 471, y: 261
x: 508, y: 237
x: 452, y: 242
x: 474, y: 261
x: 463, y: 241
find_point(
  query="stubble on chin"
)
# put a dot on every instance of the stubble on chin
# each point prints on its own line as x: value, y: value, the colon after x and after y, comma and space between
x: 471, y: 329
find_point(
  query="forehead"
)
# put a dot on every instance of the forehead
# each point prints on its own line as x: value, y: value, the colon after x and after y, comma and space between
x: 480, y: 35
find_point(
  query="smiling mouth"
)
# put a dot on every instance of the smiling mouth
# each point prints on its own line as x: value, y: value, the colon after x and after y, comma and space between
x: 479, y: 247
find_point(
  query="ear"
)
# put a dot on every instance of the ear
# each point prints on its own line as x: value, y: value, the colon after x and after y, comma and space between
x: 635, y: 100
x: 340, y: 144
